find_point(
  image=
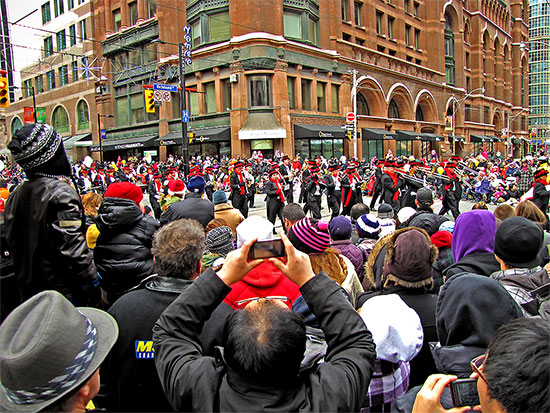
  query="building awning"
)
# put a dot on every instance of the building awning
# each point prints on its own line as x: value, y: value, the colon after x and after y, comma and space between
x: 481, y: 138
x: 495, y: 139
x: 410, y: 135
x: 302, y: 131
x: 262, y: 125
x: 432, y: 137
x: 218, y: 134
x: 131, y: 143
x: 377, y: 134
x: 457, y: 138
x: 78, y: 140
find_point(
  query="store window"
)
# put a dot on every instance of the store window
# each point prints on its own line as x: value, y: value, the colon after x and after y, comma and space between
x: 291, y: 82
x: 309, y: 148
x: 321, y: 97
x: 372, y: 148
x: 306, y: 94
x: 259, y: 90
x: 60, y: 120
x: 82, y: 115
x: 404, y: 148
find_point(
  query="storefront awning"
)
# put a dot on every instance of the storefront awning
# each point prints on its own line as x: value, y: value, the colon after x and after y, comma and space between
x: 219, y: 134
x: 78, y: 140
x: 262, y: 125
x: 377, y: 134
x: 410, y: 135
x: 495, y: 139
x: 481, y: 138
x: 432, y: 137
x: 457, y: 138
x: 131, y: 143
x: 302, y: 131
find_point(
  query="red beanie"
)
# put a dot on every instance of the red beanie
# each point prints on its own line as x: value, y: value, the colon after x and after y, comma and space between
x: 442, y: 239
x: 124, y: 190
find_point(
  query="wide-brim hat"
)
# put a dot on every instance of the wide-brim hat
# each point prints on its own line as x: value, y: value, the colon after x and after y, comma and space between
x: 47, y: 340
x: 540, y: 173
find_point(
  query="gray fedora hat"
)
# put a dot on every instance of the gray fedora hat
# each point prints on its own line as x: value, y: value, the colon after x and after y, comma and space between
x: 49, y: 348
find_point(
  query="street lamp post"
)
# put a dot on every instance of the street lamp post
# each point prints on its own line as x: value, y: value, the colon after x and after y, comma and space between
x: 508, y: 135
x: 99, y: 116
x: 456, y: 106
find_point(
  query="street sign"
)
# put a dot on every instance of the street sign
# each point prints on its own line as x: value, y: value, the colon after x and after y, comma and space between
x: 185, y: 116
x: 157, y: 95
x: 350, y: 117
x: 103, y: 134
x: 166, y: 96
x: 168, y: 88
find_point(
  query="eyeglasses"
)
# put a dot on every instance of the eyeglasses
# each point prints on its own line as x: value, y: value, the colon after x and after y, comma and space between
x: 241, y: 304
x: 477, y: 366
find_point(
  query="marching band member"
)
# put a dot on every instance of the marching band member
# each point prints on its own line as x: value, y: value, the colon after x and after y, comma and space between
x: 84, y: 182
x: 314, y: 187
x: 452, y: 191
x: 412, y: 185
x: 391, y: 184
x: 250, y: 183
x: 377, y: 188
x: 100, y: 180
x: 210, y: 182
x: 334, y: 186
x: 351, y: 184
x: 286, y: 172
x: 239, y: 191
x: 155, y: 191
x: 275, y: 197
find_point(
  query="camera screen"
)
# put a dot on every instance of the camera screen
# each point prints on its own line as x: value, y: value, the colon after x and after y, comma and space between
x: 465, y: 393
x: 266, y: 249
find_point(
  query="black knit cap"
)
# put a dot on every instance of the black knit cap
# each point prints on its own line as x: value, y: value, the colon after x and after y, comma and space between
x: 38, y: 148
x: 518, y: 242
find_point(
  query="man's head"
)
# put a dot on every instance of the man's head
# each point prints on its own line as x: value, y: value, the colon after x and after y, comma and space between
x: 286, y: 160
x: 357, y: 210
x: 265, y: 343
x: 517, y: 368
x: 504, y: 211
x: 424, y: 198
x: 178, y: 248
x: 518, y: 242
x: 292, y: 213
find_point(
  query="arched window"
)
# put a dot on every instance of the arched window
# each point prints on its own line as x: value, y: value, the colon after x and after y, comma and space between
x: 60, y: 120
x: 82, y: 115
x: 362, y: 105
x: 449, y: 52
x: 419, y: 114
x: 393, y: 110
x: 16, y: 125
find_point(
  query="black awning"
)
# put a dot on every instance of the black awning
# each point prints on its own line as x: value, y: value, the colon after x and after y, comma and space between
x: 377, y: 134
x: 121, y: 144
x: 318, y: 132
x: 217, y: 134
x: 481, y: 138
x: 432, y: 137
x: 410, y: 135
x: 456, y: 138
x: 495, y: 139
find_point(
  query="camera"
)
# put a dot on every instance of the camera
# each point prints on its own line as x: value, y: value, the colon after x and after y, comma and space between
x: 267, y: 249
x: 464, y: 392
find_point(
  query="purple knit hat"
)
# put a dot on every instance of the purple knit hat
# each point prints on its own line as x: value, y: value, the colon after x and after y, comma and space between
x: 309, y: 235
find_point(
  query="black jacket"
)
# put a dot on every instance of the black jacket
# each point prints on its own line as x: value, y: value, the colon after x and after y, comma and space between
x: 194, y: 382
x: 425, y: 219
x: 483, y: 263
x: 192, y: 207
x: 129, y: 383
x: 45, y: 233
x: 236, y: 197
x: 123, y: 249
x: 541, y: 196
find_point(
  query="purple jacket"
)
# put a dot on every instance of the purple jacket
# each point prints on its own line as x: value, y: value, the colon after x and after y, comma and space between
x: 353, y: 253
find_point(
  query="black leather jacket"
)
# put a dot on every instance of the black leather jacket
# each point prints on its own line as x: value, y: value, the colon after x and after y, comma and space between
x: 45, y: 234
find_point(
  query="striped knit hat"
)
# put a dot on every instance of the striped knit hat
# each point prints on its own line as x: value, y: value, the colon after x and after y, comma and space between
x: 310, y: 235
x: 219, y: 240
x: 368, y: 226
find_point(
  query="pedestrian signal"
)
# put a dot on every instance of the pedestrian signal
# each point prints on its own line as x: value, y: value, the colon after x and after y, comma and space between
x: 4, y: 93
x: 191, y: 137
x: 349, y: 135
x: 149, y: 101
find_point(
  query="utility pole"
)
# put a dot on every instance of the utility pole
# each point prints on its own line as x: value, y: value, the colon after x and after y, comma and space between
x: 355, y: 113
x: 184, y: 141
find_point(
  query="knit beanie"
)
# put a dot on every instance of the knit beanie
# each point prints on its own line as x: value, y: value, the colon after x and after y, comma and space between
x: 340, y: 228
x: 219, y: 240
x: 124, y: 190
x: 448, y: 226
x: 442, y: 239
x: 309, y: 235
x: 367, y: 226
x: 385, y: 211
x: 38, y: 148
x: 196, y: 184
x: 409, y: 258
x: 219, y: 197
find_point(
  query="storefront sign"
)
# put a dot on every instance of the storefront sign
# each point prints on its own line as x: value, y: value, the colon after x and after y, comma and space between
x: 130, y: 145
x: 326, y: 135
x: 28, y: 115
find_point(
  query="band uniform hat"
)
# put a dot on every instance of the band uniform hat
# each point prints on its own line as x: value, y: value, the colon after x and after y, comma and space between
x: 333, y: 167
x: 284, y: 158
x: 540, y: 173
x: 274, y: 170
x: 518, y: 242
x: 48, y: 348
x: 351, y: 166
x: 238, y: 164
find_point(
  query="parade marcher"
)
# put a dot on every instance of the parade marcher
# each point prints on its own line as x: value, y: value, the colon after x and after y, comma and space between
x: 412, y: 183
x: 305, y: 174
x: 275, y: 197
x: 154, y: 189
x: 377, y: 187
x: 540, y: 193
x: 452, y: 190
x: 100, y: 181
x: 334, y: 194
x: 287, y: 174
x: 251, y: 185
x: 239, y: 193
x: 314, y: 186
x: 210, y: 181
x: 110, y: 177
x: 391, y: 184
x: 351, y: 183
x: 84, y: 181
x: 44, y: 221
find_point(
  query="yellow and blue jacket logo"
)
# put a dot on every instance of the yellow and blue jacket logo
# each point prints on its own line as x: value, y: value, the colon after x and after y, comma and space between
x: 144, y: 349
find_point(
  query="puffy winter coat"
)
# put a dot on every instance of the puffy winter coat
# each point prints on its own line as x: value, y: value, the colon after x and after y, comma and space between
x: 263, y: 281
x: 123, y: 250
x: 353, y: 253
x: 191, y: 207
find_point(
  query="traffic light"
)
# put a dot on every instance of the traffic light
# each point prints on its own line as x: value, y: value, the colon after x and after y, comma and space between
x: 4, y: 93
x: 191, y: 137
x: 149, y: 101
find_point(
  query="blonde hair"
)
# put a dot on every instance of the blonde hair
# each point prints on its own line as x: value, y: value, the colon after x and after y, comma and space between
x: 529, y: 210
x: 91, y: 202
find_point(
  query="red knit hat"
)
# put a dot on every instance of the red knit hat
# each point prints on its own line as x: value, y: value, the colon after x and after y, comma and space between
x: 124, y: 190
x: 442, y: 239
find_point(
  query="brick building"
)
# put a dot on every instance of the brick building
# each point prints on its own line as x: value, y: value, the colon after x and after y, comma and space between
x: 280, y: 75
x: 58, y: 78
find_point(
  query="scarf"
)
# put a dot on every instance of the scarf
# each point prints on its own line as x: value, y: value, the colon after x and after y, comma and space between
x: 452, y: 176
x: 394, y: 179
x: 240, y: 175
x: 279, y: 189
x: 348, y: 197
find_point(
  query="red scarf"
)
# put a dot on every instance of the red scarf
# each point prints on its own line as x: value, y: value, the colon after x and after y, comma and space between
x: 394, y: 179
x: 240, y: 180
x: 279, y: 189
x: 348, y: 197
x: 452, y: 176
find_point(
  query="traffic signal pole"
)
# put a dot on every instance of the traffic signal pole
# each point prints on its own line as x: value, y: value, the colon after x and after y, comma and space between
x: 184, y: 141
